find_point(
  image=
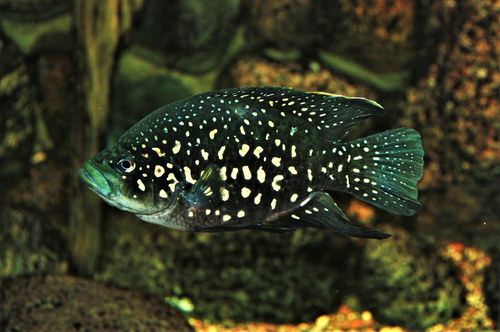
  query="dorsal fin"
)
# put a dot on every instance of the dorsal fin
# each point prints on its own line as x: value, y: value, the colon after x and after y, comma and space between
x: 342, y: 114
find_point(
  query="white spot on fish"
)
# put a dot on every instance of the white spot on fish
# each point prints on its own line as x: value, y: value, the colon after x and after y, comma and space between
x: 163, y: 193
x: 158, y: 151
x: 241, y: 214
x: 292, y: 170
x: 226, y: 217
x: 276, y: 161
x: 204, y: 154
x: 221, y: 152
x: 159, y: 171
x: 245, y: 192
x: 257, y: 151
x: 177, y: 147
x: 212, y: 134
x: 261, y: 175
x: 234, y: 173
x: 244, y: 149
x: 187, y: 173
x: 309, y: 174
x: 223, y: 171
x: 294, y: 198
x: 170, y: 177
x: 142, y: 187
x: 225, y: 194
x: 273, y: 204
x: 257, y: 199
x: 246, y: 173
x: 276, y: 179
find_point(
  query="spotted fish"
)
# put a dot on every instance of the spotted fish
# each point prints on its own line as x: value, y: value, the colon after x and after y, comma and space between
x: 257, y: 158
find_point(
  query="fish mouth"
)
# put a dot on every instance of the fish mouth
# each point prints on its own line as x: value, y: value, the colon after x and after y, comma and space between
x: 94, y: 180
x: 107, y: 186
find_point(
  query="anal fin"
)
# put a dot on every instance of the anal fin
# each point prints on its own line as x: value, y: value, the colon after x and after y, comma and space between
x: 320, y: 211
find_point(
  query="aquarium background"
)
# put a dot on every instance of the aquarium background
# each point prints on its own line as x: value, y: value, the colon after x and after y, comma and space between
x: 75, y: 75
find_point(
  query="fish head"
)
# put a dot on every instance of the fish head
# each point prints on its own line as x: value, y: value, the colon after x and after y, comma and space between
x: 118, y: 178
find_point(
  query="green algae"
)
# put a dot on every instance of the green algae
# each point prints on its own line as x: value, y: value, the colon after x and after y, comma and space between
x: 382, y: 81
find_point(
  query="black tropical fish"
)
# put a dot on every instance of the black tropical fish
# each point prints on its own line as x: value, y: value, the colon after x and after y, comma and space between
x: 257, y: 158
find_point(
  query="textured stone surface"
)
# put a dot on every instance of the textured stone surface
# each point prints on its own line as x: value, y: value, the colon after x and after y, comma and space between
x: 455, y: 106
x: 402, y: 283
x: 23, y: 249
x: 378, y: 34
x: 18, y: 107
x: 189, y: 35
x: 238, y: 276
x: 63, y: 303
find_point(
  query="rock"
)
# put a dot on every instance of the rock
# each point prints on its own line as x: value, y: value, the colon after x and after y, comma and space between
x: 23, y: 247
x: 64, y: 303
x: 455, y: 107
x: 402, y: 284
x: 238, y: 276
x: 376, y: 34
x: 255, y: 71
x: 287, y: 27
x: 190, y: 35
x: 38, y: 25
x: 18, y: 113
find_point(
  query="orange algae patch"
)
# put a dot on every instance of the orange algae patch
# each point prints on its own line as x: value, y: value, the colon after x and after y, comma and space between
x: 363, y: 212
x: 471, y: 263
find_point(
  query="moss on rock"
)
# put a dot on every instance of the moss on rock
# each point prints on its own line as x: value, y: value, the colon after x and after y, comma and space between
x: 403, y: 283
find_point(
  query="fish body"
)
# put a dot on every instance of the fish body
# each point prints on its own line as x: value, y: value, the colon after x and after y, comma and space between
x: 257, y: 158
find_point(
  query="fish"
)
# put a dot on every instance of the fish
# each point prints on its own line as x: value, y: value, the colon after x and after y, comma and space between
x: 261, y: 158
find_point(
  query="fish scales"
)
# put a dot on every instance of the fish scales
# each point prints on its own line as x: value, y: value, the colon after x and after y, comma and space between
x: 257, y: 158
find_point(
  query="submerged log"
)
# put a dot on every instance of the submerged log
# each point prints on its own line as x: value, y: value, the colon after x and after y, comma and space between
x: 99, y: 26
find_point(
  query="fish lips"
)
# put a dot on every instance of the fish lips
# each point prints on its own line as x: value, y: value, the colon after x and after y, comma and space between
x: 94, y: 180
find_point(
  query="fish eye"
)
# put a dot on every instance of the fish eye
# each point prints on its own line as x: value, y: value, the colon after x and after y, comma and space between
x: 127, y: 164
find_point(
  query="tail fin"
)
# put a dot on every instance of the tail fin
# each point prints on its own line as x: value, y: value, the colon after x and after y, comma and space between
x: 385, y: 168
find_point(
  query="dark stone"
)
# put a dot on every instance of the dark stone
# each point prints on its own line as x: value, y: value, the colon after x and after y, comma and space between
x: 64, y: 303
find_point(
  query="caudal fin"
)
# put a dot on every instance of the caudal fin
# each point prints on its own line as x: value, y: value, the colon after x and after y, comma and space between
x: 385, y: 168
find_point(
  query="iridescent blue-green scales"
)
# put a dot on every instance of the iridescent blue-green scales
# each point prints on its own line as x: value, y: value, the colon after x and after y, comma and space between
x: 257, y: 158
